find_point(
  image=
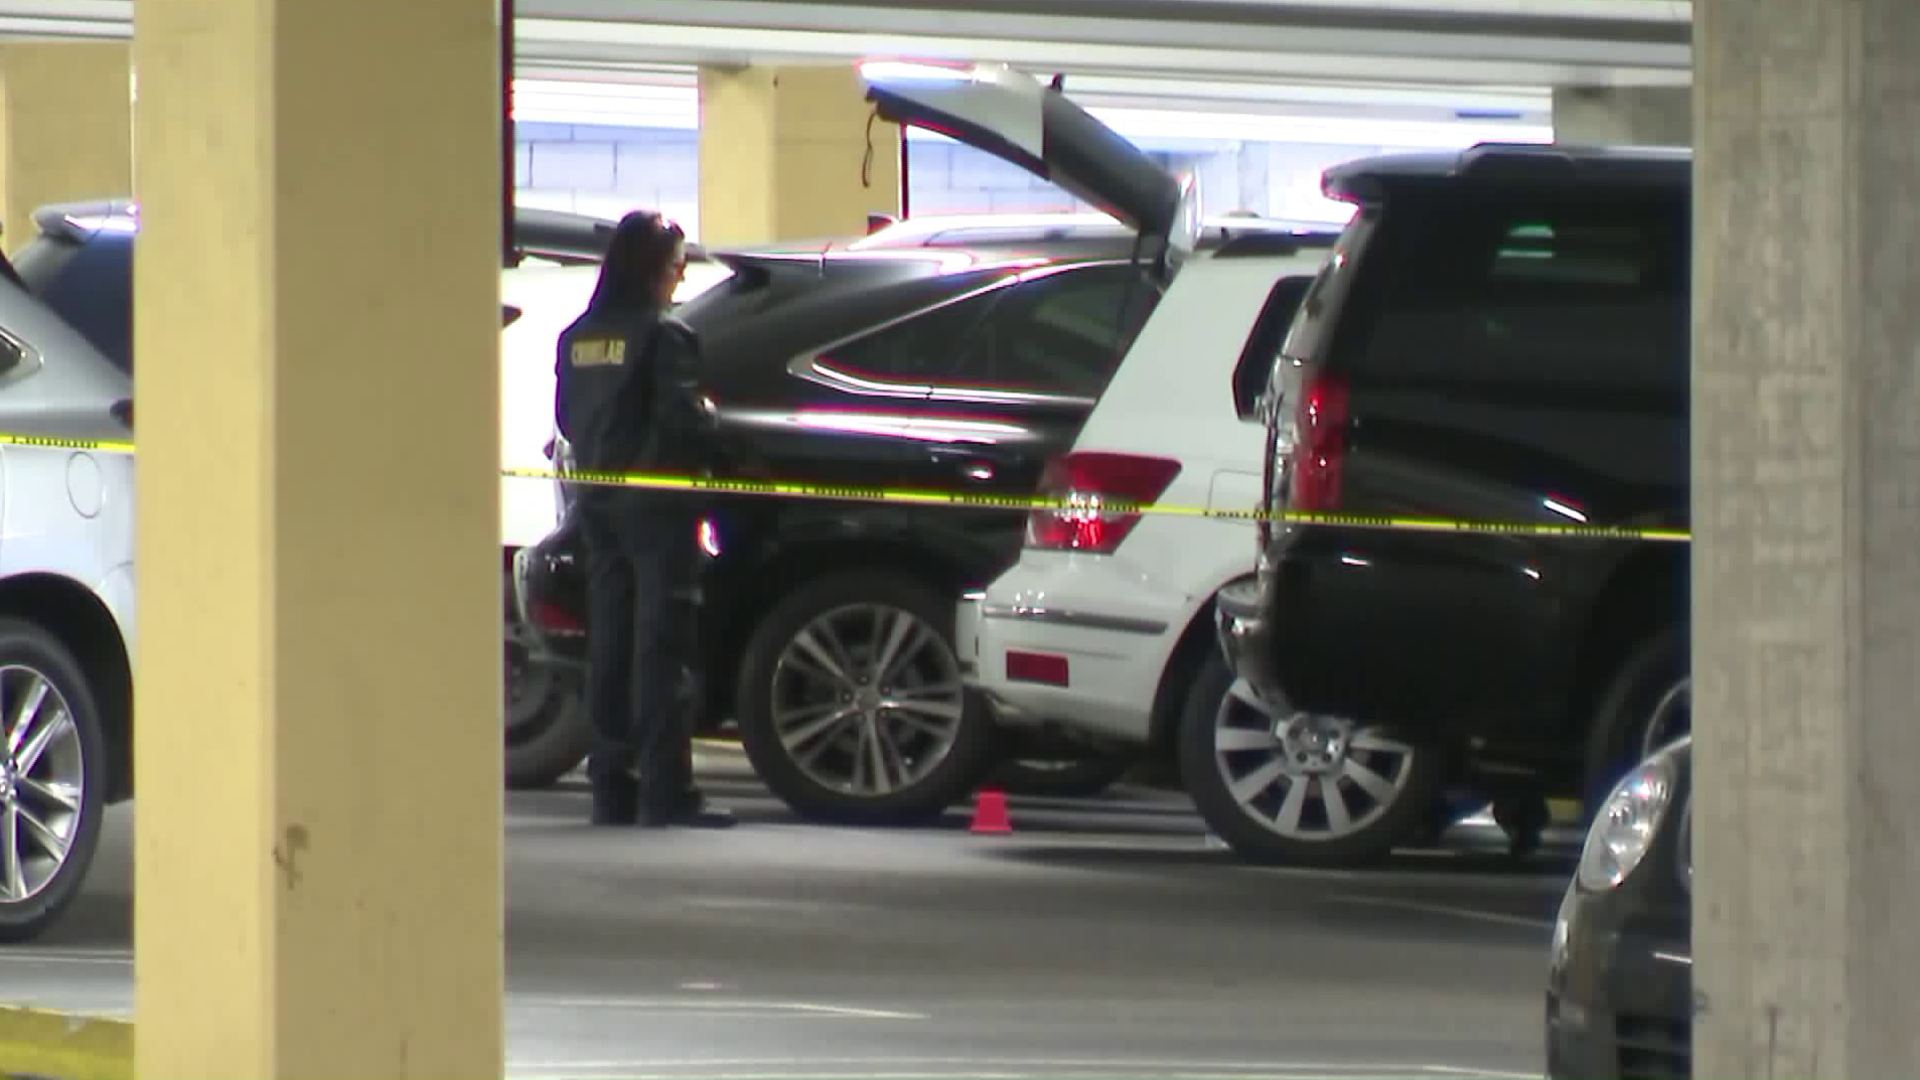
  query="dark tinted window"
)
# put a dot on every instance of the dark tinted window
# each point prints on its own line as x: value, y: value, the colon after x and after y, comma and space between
x: 922, y: 348
x: 12, y: 355
x: 1061, y: 333
x: 1572, y: 296
x: 1318, y: 311
x: 1057, y: 333
x: 90, y: 286
x: 1263, y: 344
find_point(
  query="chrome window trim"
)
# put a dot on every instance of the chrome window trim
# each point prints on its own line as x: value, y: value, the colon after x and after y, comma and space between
x: 806, y: 365
x: 31, y: 359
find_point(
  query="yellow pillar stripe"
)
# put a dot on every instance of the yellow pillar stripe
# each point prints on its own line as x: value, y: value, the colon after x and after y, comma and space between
x: 37, y: 1042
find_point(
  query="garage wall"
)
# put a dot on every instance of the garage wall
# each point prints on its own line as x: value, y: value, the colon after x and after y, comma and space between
x: 609, y: 170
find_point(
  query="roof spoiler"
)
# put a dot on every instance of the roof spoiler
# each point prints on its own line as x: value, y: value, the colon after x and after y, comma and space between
x: 758, y: 267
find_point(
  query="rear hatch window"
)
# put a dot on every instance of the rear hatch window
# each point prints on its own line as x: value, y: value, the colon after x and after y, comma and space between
x: 90, y: 286
x: 1546, y: 295
x: 1318, y: 313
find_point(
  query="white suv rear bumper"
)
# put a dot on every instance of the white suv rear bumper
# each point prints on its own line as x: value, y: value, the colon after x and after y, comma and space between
x: 1102, y: 617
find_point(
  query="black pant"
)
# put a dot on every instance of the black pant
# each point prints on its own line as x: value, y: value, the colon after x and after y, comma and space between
x: 641, y: 690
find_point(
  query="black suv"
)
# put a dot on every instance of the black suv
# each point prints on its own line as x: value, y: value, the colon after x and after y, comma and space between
x: 1502, y: 336
x: 963, y: 369
x: 827, y: 631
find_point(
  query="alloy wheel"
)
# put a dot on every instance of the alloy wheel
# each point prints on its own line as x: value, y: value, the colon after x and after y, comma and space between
x: 1305, y: 777
x: 42, y: 782
x: 867, y: 699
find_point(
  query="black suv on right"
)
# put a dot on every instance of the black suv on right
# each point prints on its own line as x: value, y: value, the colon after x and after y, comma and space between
x: 1501, y: 335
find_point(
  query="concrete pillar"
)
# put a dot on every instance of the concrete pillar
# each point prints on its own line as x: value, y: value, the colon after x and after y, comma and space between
x: 1806, y: 552
x: 318, y: 869
x: 784, y: 155
x: 1623, y: 115
x: 66, y: 128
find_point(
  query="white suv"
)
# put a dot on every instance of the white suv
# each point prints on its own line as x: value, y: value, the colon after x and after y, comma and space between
x: 1103, y: 629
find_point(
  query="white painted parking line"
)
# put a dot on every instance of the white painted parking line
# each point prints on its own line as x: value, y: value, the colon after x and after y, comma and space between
x: 703, y: 1004
x: 1392, y: 878
x: 940, y: 1068
x: 103, y: 957
x: 985, y: 1075
x: 1449, y: 910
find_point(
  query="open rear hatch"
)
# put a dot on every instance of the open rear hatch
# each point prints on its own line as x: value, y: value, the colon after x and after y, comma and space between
x: 1017, y: 118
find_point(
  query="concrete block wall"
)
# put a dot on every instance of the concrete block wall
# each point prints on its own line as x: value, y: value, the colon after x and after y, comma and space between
x: 945, y: 177
x: 606, y: 170
x: 609, y: 170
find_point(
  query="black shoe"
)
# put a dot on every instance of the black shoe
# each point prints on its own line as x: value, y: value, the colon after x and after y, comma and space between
x: 694, y: 813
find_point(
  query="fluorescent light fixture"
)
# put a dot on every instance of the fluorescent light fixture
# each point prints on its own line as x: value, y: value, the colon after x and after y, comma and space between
x: 1333, y: 131
x: 911, y: 71
x: 609, y: 104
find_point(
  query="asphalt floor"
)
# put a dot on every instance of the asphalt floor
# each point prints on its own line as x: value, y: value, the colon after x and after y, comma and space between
x: 1108, y: 937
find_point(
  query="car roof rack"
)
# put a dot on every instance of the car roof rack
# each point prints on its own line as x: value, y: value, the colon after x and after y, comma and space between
x: 1274, y: 242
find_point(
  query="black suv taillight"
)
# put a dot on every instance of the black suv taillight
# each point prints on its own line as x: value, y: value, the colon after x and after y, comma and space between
x: 1318, y: 460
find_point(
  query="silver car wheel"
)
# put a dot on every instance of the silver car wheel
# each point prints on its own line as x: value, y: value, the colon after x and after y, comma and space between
x: 867, y: 700
x: 42, y: 782
x: 1304, y: 777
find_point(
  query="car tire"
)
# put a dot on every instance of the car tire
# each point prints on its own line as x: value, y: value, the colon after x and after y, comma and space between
x: 77, y: 755
x: 1647, y: 704
x: 548, y: 731
x: 1403, y: 771
x: 1071, y: 778
x: 801, y: 723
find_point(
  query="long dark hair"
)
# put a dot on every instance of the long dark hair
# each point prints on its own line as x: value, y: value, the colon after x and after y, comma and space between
x: 640, y: 252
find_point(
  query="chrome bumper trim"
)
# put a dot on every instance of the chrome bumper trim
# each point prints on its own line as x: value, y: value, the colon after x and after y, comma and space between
x: 1065, y: 617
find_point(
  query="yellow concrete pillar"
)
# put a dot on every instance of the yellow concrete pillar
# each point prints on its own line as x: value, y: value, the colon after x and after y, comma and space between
x: 318, y: 870
x: 784, y: 155
x: 66, y: 128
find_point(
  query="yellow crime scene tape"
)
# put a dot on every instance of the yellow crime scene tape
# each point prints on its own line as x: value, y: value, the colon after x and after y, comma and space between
x: 964, y: 499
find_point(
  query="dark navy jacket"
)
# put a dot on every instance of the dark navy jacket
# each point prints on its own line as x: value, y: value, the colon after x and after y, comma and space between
x: 627, y: 394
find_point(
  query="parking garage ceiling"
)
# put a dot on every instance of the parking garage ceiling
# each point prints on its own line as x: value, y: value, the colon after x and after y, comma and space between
x: 1399, y: 59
